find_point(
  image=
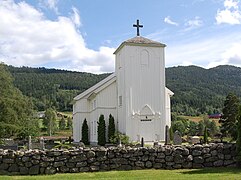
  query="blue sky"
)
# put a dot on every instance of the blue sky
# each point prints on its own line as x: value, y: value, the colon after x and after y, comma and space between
x: 82, y: 35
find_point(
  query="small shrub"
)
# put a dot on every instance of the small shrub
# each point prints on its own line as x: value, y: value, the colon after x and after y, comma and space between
x: 120, y: 137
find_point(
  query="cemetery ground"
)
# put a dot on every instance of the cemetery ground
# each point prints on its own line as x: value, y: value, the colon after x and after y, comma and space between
x: 205, y: 173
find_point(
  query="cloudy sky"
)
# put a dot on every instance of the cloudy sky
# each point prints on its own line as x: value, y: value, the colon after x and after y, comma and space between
x: 82, y: 35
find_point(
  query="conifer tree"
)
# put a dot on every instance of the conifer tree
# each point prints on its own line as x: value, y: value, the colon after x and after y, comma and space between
x: 239, y: 138
x: 205, y: 135
x: 111, y: 127
x: 101, y: 130
x: 85, y: 133
x: 229, y: 118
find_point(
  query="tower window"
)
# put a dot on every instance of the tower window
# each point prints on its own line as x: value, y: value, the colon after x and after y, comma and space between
x: 120, y: 101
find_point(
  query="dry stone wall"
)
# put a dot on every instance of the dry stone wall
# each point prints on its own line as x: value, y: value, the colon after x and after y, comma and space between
x: 114, y: 158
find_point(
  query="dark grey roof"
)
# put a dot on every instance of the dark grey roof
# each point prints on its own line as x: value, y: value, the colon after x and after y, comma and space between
x: 140, y: 41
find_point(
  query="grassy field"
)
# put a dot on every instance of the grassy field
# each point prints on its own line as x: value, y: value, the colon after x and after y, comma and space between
x: 192, y: 174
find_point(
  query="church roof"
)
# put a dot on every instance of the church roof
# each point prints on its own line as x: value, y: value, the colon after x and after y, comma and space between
x: 97, y: 87
x: 140, y: 41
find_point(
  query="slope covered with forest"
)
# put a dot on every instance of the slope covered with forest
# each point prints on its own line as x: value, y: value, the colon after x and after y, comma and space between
x: 197, y: 90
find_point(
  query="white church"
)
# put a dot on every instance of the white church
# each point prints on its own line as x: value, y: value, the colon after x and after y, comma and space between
x: 135, y: 94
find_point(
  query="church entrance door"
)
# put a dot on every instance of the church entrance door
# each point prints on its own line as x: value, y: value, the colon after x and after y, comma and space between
x: 146, y: 129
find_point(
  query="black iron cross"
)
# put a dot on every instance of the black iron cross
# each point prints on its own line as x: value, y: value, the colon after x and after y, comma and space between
x: 137, y: 25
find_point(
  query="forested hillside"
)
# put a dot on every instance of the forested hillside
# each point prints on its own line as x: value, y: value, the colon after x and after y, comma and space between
x: 51, y: 87
x: 197, y: 90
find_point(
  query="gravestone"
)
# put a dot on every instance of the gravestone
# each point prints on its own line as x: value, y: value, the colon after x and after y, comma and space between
x: 167, y: 135
x: 142, y: 142
x: 41, y: 140
x: 177, y: 139
x: 195, y: 140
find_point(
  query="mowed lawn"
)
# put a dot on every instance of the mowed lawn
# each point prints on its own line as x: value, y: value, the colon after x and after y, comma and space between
x: 187, y: 174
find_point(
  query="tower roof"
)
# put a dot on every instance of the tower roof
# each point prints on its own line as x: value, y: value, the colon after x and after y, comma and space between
x: 140, y: 41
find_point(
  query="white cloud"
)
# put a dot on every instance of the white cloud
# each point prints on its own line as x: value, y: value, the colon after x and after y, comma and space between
x: 50, y: 4
x: 231, y: 14
x: 75, y: 17
x: 169, y: 21
x: 193, y: 23
x: 28, y: 38
x: 208, y: 52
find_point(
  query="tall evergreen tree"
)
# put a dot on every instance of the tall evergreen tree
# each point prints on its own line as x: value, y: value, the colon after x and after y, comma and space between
x: 205, y: 135
x: 101, y: 130
x: 111, y: 127
x: 239, y: 138
x: 85, y: 133
x: 229, y: 118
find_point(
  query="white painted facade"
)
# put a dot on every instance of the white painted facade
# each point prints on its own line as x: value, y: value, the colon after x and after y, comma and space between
x: 135, y: 94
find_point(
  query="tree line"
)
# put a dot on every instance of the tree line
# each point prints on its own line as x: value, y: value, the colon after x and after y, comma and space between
x: 197, y: 90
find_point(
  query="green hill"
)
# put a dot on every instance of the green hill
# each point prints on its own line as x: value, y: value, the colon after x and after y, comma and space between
x: 197, y: 90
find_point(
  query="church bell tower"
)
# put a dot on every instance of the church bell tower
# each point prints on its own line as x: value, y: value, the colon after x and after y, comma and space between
x: 140, y: 72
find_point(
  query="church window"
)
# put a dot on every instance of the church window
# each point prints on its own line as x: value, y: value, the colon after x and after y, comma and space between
x: 144, y: 58
x: 120, y: 101
x: 94, y: 104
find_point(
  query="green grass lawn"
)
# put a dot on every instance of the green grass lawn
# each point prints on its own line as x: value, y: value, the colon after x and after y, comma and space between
x: 187, y: 174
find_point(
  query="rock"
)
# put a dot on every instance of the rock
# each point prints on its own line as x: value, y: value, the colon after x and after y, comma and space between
x: 178, y: 159
x: 74, y: 170
x: 34, y: 170
x: 161, y: 155
x: 84, y: 169
x: 214, y: 153
x: 25, y: 159
x: 63, y: 169
x: 59, y: 164
x: 13, y: 168
x: 148, y: 164
x: 198, y: 159
x: 169, y: 158
x: 70, y: 164
x: 227, y: 156
x: 218, y: 163
x: 81, y: 164
x: 4, y: 166
x: 189, y: 158
x: 157, y: 165
x: 94, y: 168
x: 211, y: 159
x: 205, y: 150
x: 139, y: 164
x: 50, y: 170
x: 196, y: 152
x: 145, y: 158
x: 8, y: 161
x: 24, y: 170
x: 208, y: 164
x: 91, y: 154
x: 187, y: 164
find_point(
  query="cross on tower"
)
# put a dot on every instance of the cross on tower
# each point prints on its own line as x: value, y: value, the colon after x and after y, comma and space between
x: 137, y: 25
